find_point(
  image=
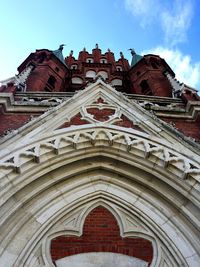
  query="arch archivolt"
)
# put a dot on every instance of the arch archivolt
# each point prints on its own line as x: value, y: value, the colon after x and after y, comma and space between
x: 50, y: 186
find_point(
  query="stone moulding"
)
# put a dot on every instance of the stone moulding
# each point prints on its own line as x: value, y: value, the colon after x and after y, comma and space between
x: 51, y: 177
x: 137, y: 144
x: 98, y: 149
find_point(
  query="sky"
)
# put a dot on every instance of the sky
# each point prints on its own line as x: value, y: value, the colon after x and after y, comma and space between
x: 169, y: 28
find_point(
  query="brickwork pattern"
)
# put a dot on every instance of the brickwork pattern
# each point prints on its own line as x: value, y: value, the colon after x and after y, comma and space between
x: 76, y: 120
x: 101, y: 115
x: 187, y: 127
x: 101, y: 234
x: 13, y: 121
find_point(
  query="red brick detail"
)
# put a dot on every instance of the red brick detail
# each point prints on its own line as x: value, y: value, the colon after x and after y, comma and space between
x: 187, y: 127
x: 13, y: 121
x: 125, y: 122
x: 143, y: 71
x: 190, y: 96
x: 101, y: 114
x: 101, y: 234
x: 76, y: 120
x: 100, y: 101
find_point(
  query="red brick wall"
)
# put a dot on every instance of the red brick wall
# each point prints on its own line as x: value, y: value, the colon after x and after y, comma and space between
x: 101, y: 115
x: 125, y: 122
x: 37, y: 81
x: 101, y: 234
x: 157, y: 81
x: 188, y: 127
x: 76, y: 120
x: 13, y: 121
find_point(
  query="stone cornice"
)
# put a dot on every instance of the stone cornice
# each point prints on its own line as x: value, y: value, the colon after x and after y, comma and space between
x: 137, y: 144
x: 32, y: 102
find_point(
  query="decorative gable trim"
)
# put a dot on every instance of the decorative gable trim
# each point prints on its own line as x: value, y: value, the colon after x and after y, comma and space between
x: 82, y: 103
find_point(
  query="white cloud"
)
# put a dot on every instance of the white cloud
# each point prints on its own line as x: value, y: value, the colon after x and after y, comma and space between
x: 174, y: 17
x: 142, y: 9
x: 176, y: 22
x: 186, y: 71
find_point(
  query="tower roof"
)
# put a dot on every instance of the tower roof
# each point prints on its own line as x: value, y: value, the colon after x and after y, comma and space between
x: 58, y: 53
x: 135, y: 57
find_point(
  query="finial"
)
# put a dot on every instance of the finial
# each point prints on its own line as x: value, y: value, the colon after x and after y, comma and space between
x: 97, y: 46
x: 121, y: 54
x: 61, y: 47
x: 71, y: 52
x: 135, y: 57
x: 132, y: 51
x: 108, y: 49
x: 84, y: 49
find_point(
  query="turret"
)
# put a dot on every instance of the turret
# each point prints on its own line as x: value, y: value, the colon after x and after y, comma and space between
x: 96, y: 53
x: 49, y: 72
x: 147, y: 75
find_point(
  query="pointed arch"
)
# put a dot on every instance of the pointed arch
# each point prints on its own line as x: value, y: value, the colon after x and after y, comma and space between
x: 100, y: 234
x: 139, y: 177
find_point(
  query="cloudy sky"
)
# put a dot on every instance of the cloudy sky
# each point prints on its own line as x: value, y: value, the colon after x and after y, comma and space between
x: 169, y: 28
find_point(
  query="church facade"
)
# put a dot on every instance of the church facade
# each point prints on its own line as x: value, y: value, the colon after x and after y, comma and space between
x: 99, y: 163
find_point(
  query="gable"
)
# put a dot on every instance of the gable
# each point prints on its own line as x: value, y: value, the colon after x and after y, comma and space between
x: 97, y: 105
x: 98, y: 147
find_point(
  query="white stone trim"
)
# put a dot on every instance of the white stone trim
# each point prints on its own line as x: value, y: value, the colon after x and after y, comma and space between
x: 135, y: 143
x: 50, y: 177
x: 89, y: 159
x: 58, y: 115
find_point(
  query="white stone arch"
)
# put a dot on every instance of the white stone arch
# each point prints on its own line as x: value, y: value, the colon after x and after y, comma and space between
x: 103, y: 60
x: 73, y: 156
x: 74, y: 66
x: 46, y: 226
x: 90, y: 205
x: 77, y: 80
x: 89, y: 60
x: 103, y: 74
x: 116, y: 82
x: 90, y: 74
x: 119, y: 68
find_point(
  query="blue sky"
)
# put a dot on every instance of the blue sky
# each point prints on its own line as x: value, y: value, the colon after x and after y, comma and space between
x: 170, y: 28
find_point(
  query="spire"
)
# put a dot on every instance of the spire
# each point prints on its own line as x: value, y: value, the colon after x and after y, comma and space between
x: 58, y: 53
x: 135, y: 57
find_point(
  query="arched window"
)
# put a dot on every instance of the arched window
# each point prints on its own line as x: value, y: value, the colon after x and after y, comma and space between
x: 51, y: 81
x: 116, y: 82
x: 89, y: 60
x: 42, y: 57
x: 103, y: 74
x: 154, y: 65
x: 103, y: 60
x: 145, y: 89
x: 119, y: 68
x: 73, y: 67
x: 77, y: 80
x: 90, y: 74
